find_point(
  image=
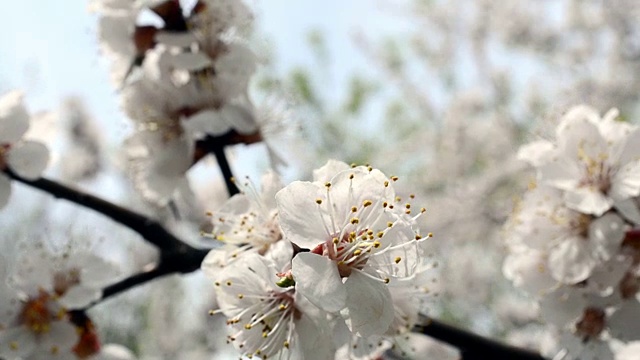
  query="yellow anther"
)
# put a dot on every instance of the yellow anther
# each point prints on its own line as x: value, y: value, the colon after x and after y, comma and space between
x: 394, y: 178
x: 247, y: 326
x: 389, y: 224
x: 430, y: 235
x: 354, y: 209
x: 412, y: 196
x: 376, y: 244
x: 352, y: 235
x: 369, y: 168
x: 209, y: 213
x: 385, y: 204
x: 407, y: 212
x: 386, y: 183
x: 265, y: 334
x: 282, y: 307
x: 228, y: 283
x: 407, y: 205
x: 357, y: 252
x: 423, y: 210
x: 367, y: 203
x: 418, y: 237
x: 327, y: 184
x: 318, y: 201
x: 351, y: 176
x: 216, y: 283
x: 286, y: 344
x: 335, y: 240
x: 397, y: 259
x: 240, y: 296
x: 353, y: 165
x: 355, y: 221
x: 386, y: 280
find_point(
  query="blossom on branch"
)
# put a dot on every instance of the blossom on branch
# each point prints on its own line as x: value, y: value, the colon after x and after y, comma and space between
x: 25, y: 158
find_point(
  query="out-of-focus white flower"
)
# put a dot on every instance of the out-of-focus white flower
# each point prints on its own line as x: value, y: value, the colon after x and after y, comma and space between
x: 268, y: 320
x: 576, y: 243
x: 27, y: 159
x: 596, y: 162
x: 361, y: 238
x: 250, y: 218
x: 32, y: 323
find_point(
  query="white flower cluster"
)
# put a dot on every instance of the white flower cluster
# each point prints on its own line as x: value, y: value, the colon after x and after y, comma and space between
x: 35, y: 296
x: 25, y: 158
x: 315, y: 267
x: 569, y: 237
x: 184, y: 76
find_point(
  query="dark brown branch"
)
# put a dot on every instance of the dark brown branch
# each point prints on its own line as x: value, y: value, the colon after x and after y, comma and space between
x: 149, y: 229
x: 472, y: 346
x: 183, y: 261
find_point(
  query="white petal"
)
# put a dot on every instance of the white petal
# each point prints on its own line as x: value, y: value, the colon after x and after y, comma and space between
x: 626, y: 182
x: 561, y: 173
x: 115, y: 352
x: 370, y: 305
x: 588, y: 200
x: 536, y: 153
x: 631, y: 149
x: 19, y: 336
x: 562, y: 306
x: 606, y: 234
x: 329, y: 170
x: 317, y: 278
x: 5, y: 190
x: 300, y: 219
x: 14, y: 119
x: 79, y: 296
x: 62, y: 335
x: 313, y: 342
x: 578, y: 134
x: 528, y: 270
x: 29, y: 159
x: 571, y: 262
x: 629, y: 210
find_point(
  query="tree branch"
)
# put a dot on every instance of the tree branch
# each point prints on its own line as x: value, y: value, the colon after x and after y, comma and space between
x: 149, y: 229
x: 472, y: 346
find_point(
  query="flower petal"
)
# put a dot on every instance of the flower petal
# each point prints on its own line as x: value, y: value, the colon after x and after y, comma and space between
x: 587, y: 200
x: 300, y: 225
x: 29, y: 159
x: 317, y: 278
x: 370, y: 305
x: 14, y: 119
x: 571, y: 262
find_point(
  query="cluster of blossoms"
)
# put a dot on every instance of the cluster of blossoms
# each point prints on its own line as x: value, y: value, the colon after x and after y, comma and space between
x: 184, y: 77
x: 37, y: 295
x: 336, y: 264
x: 569, y: 237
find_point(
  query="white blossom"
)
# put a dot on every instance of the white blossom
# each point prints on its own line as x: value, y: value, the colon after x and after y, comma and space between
x: 25, y: 158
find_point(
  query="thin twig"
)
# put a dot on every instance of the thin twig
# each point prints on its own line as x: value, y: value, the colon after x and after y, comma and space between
x: 149, y: 229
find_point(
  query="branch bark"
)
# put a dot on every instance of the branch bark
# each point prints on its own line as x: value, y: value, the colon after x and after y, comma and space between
x: 472, y: 346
